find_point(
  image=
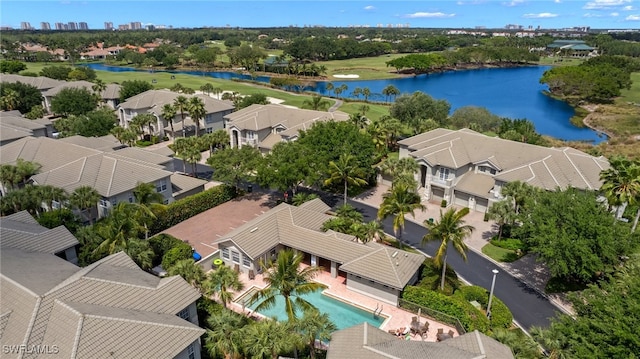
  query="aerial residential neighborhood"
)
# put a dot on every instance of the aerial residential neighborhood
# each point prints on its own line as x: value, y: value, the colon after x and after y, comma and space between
x: 397, y: 190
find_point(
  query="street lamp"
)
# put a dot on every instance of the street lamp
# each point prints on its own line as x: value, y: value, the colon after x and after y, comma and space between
x: 493, y: 283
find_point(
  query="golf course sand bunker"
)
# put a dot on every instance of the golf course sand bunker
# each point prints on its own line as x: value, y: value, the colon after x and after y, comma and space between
x: 349, y: 76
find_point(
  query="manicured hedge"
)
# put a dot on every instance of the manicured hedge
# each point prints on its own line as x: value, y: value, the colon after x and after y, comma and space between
x: 179, y: 252
x: 186, y: 208
x: 161, y: 244
x: 501, y: 316
x: 470, y: 317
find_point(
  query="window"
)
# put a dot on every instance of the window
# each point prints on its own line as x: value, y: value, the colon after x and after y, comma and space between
x: 246, y: 261
x: 235, y: 257
x: 487, y: 169
x: 250, y: 135
x: 444, y: 173
x: 209, y: 130
x: 130, y: 199
x: 55, y: 204
x: 191, y: 351
x: 104, y: 203
x: 184, y: 314
x: 225, y: 253
x: 161, y: 185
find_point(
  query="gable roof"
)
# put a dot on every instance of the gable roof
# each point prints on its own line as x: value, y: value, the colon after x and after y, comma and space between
x: 13, y: 126
x: 300, y: 228
x: 102, y: 143
x: 258, y: 117
x: 156, y: 99
x: 108, y: 306
x: 543, y: 167
x: 365, y: 341
x: 111, y: 91
x: 21, y: 231
x: 68, y: 165
x: 40, y: 82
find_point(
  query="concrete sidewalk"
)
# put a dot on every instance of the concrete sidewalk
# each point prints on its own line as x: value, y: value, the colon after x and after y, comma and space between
x: 526, y: 269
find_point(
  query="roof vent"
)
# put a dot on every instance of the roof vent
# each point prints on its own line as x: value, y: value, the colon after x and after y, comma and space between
x: 255, y: 229
x: 406, y: 254
x: 397, y: 263
x: 394, y: 254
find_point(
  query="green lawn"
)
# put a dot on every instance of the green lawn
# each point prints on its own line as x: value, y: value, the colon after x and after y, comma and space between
x: 499, y: 254
x: 633, y: 94
x: 368, y: 68
x: 374, y: 112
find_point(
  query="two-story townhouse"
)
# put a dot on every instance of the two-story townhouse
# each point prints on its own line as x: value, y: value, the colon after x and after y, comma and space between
x: 110, y: 96
x: 469, y: 169
x: 114, y: 173
x: 110, y: 308
x: 263, y: 126
x: 153, y: 101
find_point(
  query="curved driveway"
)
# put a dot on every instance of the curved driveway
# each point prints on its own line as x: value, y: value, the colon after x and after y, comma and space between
x: 529, y: 307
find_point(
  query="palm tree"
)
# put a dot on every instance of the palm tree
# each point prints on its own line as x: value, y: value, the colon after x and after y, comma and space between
x: 316, y: 102
x: 313, y: 326
x: 217, y: 91
x: 149, y: 203
x: 504, y: 213
x: 343, y: 88
x: 301, y: 197
x: 344, y: 170
x: 141, y: 253
x: 119, y: 228
x: 621, y: 184
x: 98, y: 87
x: 48, y: 194
x: 401, y: 170
x: 181, y: 105
x: 189, y: 270
x: 356, y: 92
x: 373, y: 231
x: 519, y: 192
x: 269, y: 338
x: 206, y: 88
x: 398, y: 202
x: 449, y: 229
x: 197, y: 112
x: 218, y: 139
x: 358, y: 120
x: 168, y: 114
x: 284, y: 277
x: 179, y: 147
x: 390, y: 90
x: 10, y: 100
x: 366, y: 92
x: 553, y: 341
x: 85, y: 198
x: 225, y: 336
x: 222, y: 280
x: 142, y: 120
x: 26, y: 169
x: 118, y: 133
x: 191, y: 155
x: 329, y: 87
x: 9, y: 177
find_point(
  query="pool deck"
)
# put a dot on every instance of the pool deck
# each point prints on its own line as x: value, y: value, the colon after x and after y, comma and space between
x: 336, y: 287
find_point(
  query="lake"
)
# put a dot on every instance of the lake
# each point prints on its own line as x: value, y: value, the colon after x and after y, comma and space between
x: 515, y: 93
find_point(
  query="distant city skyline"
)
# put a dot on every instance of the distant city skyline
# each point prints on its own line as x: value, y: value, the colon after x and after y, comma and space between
x: 545, y: 14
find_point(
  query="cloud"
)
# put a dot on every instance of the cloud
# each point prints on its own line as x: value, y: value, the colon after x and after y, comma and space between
x: 557, y: 1
x: 614, y: 14
x: 628, y: 8
x: 513, y: 3
x: 604, y: 4
x: 419, y: 15
x: 633, y: 18
x: 369, y: 7
x: 542, y: 15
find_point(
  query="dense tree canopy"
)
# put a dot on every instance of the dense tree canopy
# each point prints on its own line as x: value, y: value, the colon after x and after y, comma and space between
x: 19, y: 96
x: 133, y: 87
x: 581, y: 242
x: 416, y: 109
x: 93, y: 124
x: 73, y: 101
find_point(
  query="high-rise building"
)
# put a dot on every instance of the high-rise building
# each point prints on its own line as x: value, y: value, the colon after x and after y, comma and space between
x: 60, y: 26
x: 108, y: 25
x: 72, y: 25
x: 83, y: 26
x: 45, y: 26
x: 135, y: 25
x: 25, y: 25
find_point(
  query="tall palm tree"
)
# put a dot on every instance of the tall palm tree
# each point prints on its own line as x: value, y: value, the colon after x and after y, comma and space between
x: 26, y: 169
x: 358, y: 120
x: 398, y: 202
x: 197, y: 112
x: 9, y: 177
x: 519, y: 192
x: 504, y: 213
x: 553, y: 341
x: 374, y: 231
x: 284, y: 277
x: 217, y: 91
x: 10, y: 100
x: 191, y: 155
x: 366, y: 92
x: 48, y: 194
x: 390, y: 90
x: 346, y: 171
x: 401, y: 170
x: 149, y: 204
x: 98, y: 87
x: 168, y: 114
x: 181, y: 105
x: 225, y: 336
x: 621, y: 184
x: 313, y: 326
x: 189, y: 270
x: 85, y: 198
x: 206, y: 88
x: 223, y: 280
x: 118, y: 133
x: 451, y: 228
x: 119, y: 228
x: 329, y: 87
x: 140, y: 251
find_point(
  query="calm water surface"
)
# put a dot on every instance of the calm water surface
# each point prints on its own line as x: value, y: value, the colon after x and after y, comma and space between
x: 515, y: 93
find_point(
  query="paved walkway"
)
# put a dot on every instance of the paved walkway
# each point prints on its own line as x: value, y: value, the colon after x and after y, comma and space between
x: 526, y: 268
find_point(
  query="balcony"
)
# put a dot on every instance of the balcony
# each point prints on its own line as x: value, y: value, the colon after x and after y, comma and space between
x: 249, y: 141
x: 439, y: 181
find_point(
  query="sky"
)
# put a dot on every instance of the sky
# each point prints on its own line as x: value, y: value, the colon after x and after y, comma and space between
x: 546, y: 14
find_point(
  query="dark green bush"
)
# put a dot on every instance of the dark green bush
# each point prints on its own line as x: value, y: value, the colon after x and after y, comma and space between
x: 443, y: 204
x: 186, y: 208
x: 501, y: 316
x: 430, y: 277
x: 470, y: 317
x: 161, y: 244
x: 179, y: 252
x: 509, y: 243
x: 60, y: 217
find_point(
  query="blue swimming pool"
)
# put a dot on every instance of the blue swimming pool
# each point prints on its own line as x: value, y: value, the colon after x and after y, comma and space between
x: 342, y: 314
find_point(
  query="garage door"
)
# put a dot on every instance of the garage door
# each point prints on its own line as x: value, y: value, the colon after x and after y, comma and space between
x: 462, y: 199
x: 482, y: 204
x: 437, y: 193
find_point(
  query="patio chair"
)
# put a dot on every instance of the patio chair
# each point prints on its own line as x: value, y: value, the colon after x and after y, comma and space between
x: 440, y: 330
x: 252, y: 274
x: 451, y: 333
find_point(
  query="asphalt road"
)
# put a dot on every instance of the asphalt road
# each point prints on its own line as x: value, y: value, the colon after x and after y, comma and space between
x: 529, y: 308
